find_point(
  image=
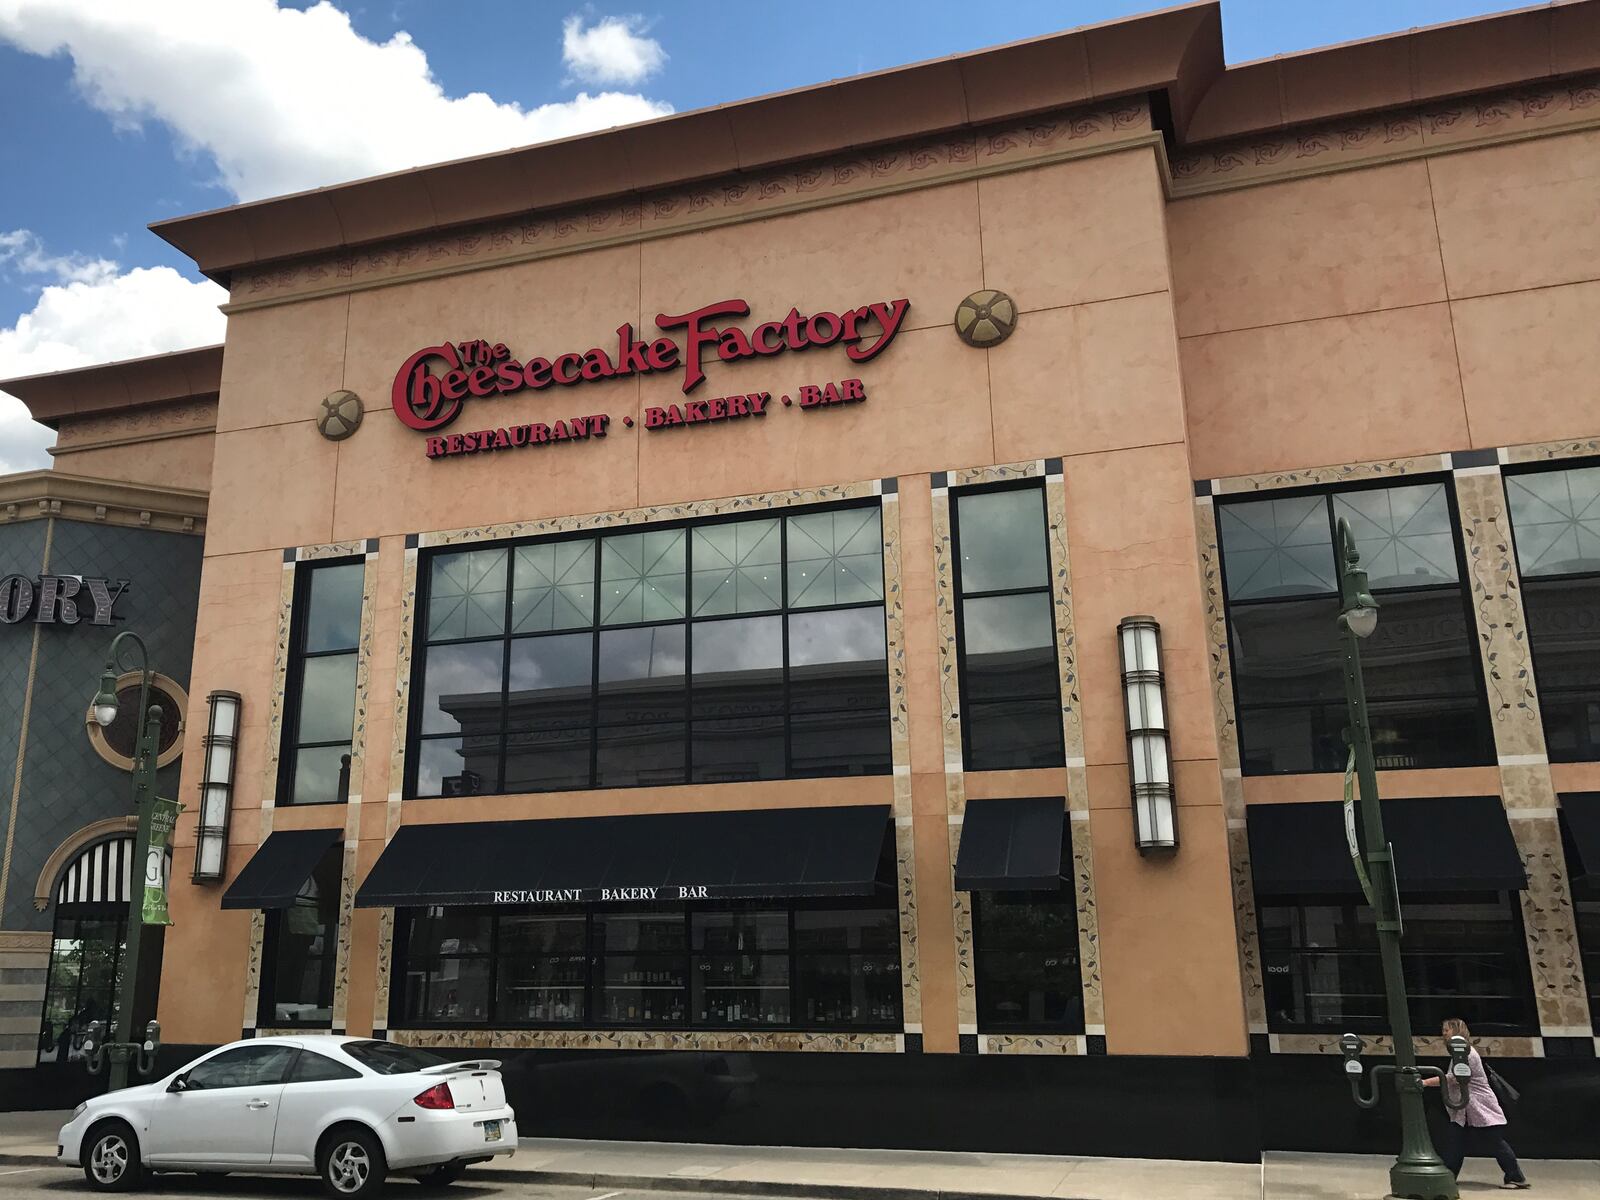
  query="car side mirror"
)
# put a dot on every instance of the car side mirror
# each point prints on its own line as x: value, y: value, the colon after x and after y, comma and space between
x: 179, y: 1083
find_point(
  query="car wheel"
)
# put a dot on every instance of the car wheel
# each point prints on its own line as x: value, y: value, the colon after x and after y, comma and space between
x: 352, y: 1166
x: 443, y: 1176
x: 111, y: 1158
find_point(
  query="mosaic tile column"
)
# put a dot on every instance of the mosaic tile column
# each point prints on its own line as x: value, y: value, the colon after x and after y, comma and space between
x: 1077, y: 800
x: 397, y: 774
x: 1227, y: 726
x: 1525, y: 785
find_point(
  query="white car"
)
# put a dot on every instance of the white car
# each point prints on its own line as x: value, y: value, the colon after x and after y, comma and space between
x: 350, y: 1110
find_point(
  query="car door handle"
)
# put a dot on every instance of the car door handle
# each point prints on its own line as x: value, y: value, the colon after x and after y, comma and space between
x: 258, y: 1104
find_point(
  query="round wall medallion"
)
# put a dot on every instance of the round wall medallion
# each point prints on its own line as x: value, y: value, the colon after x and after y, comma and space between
x: 340, y: 415
x: 986, y: 318
x: 115, y: 742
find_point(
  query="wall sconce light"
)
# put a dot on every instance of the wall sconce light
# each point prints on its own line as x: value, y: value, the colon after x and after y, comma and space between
x: 216, y: 786
x: 1144, y: 695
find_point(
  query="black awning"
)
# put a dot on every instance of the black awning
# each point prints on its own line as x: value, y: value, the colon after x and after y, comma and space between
x: 1010, y: 845
x: 1443, y: 844
x: 279, y: 869
x: 656, y: 856
x: 1580, y: 830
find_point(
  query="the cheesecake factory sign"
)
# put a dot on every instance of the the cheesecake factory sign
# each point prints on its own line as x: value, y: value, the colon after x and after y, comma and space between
x: 434, y: 385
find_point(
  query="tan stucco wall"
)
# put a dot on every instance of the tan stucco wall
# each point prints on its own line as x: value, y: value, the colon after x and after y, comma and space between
x: 1091, y: 376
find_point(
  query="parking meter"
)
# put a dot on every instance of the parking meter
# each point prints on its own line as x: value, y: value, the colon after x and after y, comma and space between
x: 1352, y: 1046
x: 1455, y: 1098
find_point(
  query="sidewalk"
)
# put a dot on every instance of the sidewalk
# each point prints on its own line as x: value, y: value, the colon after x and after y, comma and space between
x: 929, y: 1175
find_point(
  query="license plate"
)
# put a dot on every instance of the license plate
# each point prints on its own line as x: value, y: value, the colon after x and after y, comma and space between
x: 491, y: 1131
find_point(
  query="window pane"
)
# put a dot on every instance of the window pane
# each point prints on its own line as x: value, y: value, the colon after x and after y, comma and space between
x: 1010, y: 646
x: 461, y: 688
x: 642, y: 674
x: 738, y: 930
x: 555, y: 760
x: 318, y: 1068
x: 333, y: 612
x: 467, y: 594
x: 1027, y: 960
x: 544, y: 968
x: 734, y: 990
x: 552, y: 586
x: 455, y: 766
x: 1564, y: 630
x: 1012, y: 734
x: 835, y: 558
x: 737, y: 567
x: 1277, y: 547
x: 736, y: 749
x: 440, y: 931
x: 1417, y: 733
x: 301, y: 984
x: 451, y: 991
x: 640, y: 755
x: 1002, y: 540
x: 738, y: 667
x: 1403, y: 534
x: 1423, y: 646
x: 327, y: 699
x: 875, y: 930
x: 316, y: 774
x: 243, y: 1066
x: 851, y: 742
x: 642, y: 577
x: 1556, y: 518
x: 643, y: 971
x: 1287, y: 653
x: 550, y: 682
x: 840, y: 990
x: 837, y: 660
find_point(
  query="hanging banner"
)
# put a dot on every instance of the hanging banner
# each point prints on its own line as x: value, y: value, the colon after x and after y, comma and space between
x: 1350, y: 828
x: 163, y: 819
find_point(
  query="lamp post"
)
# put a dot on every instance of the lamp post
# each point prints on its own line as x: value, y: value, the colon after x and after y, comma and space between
x: 120, y: 1047
x: 1418, y: 1173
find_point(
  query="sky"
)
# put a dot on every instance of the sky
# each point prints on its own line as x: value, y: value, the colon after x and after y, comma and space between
x: 116, y: 113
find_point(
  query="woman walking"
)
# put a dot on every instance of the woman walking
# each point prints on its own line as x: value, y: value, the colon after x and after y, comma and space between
x: 1480, y: 1126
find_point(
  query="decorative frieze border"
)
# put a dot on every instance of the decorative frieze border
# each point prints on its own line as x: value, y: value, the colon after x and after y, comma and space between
x: 1467, y: 123
x: 39, y: 495
x: 1077, y: 798
x: 887, y: 492
x: 837, y: 179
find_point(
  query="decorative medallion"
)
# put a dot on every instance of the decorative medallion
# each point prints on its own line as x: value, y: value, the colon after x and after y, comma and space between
x: 986, y: 318
x: 340, y: 415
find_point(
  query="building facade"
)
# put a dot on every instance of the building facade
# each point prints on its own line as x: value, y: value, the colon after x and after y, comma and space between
x: 109, y: 538
x: 719, y: 607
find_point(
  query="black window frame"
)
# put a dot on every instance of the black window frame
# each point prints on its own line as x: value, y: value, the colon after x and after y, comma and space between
x: 1063, y: 897
x: 1515, y: 950
x: 289, y: 745
x: 1485, y: 743
x: 961, y: 596
x: 271, y: 942
x: 594, y: 988
x: 71, y: 1034
x: 784, y: 613
x: 1531, y: 586
x: 1586, y: 918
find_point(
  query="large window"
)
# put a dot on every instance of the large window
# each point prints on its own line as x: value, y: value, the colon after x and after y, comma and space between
x: 298, y: 951
x: 1025, y: 951
x: 1005, y: 622
x: 82, y: 984
x: 1462, y: 956
x: 809, y: 964
x: 1586, y: 907
x: 1424, y: 691
x: 321, y: 685
x: 1555, y: 518
x: 740, y: 649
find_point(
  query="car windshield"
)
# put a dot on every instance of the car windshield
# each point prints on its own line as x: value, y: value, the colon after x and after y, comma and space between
x: 386, y: 1058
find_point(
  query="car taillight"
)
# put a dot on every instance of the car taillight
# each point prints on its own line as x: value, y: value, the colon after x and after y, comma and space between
x: 438, y: 1096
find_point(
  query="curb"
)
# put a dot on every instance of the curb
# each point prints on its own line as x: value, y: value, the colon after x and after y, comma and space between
x: 672, y: 1183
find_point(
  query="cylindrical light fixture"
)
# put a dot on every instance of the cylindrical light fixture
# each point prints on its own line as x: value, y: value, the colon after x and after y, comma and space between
x: 1144, y: 696
x: 216, y: 786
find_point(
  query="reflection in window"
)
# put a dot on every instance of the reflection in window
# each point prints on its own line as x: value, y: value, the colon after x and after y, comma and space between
x: 1425, y: 700
x: 1463, y: 956
x: 321, y: 685
x: 299, y: 948
x: 1555, y: 518
x: 83, y: 982
x: 1011, y: 689
x: 758, y: 964
x: 675, y: 658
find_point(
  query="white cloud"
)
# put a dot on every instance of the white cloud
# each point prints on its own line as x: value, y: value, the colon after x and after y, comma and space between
x: 22, y: 253
x: 283, y: 99
x: 148, y: 310
x: 612, y: 50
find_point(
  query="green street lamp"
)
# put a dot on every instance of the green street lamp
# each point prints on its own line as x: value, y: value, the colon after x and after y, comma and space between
x: 1418, y: 1173
x: 120, y: 1048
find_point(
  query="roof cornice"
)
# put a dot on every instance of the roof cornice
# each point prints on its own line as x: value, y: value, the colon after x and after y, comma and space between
x: 35, y: 495
x: 110, y: 387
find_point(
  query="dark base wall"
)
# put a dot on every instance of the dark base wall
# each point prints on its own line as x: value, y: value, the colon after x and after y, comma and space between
x: 1201, y: 1108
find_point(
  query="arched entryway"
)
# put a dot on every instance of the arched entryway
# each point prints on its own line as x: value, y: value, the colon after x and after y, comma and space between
x: 86, y: 946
